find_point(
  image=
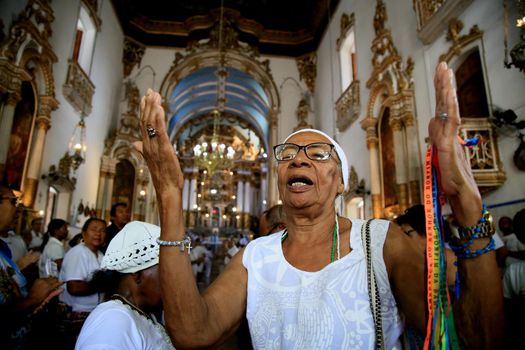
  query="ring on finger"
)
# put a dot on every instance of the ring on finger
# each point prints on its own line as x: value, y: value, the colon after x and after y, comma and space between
x: 152, y: 132
x: 443, y: 115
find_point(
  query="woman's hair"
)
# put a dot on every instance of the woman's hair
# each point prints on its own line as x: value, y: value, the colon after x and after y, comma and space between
x: 89, y: 221
x: 52, y: 227
x: 106, y: 281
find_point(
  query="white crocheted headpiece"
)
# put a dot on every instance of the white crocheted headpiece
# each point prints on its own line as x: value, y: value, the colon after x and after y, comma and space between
x: 133, y: 249
x: 338, y: 149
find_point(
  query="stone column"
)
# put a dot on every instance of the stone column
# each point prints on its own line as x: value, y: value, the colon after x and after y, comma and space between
x: 102, y: 182
x: 414, y: 167
x: 370, y: 126
x: 273, y: 192
x: 47, y: 104
x: 109, y: 193
x: 400, y: 163
x: 6, y: 124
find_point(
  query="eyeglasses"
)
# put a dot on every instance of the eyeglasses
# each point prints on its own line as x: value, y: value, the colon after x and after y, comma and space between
x: 16, y: 201
x: 319, y: 151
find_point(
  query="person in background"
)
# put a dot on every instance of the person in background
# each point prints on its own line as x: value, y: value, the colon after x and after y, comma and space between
x: 78, y: 265
x: 18, y: 300
x: 129, y: 279
x: 53, y: 251
x: 16, y: 243
x: 34, y: 236
x: 516, y: 241
x: 119, y: 216
x: 272, y: 220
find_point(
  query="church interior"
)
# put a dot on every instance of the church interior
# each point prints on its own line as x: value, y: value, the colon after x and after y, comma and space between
x: 236, y: 77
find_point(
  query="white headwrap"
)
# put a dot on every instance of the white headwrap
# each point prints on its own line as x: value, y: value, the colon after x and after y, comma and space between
x: 133, y: 249
x: 338, y: 149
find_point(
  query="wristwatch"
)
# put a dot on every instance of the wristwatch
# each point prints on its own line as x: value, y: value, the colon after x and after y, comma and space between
x: 484, y: 228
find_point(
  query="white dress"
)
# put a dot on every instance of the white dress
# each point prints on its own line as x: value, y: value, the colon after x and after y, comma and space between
x: 114, y: 325
x: 329, y: 309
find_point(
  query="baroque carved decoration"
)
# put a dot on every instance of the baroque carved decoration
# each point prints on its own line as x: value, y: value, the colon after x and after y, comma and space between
x: 459, y: 42
x: 346, y: 23
x: 348, y: 106
x: 356, y: 187
x: 26, y: 41
x: 433, y: 16
x: 303, y: 109
x: 390, y: 87
x: 132, y: 55
x: 59, y: 176
x: 78, y: 89
x: 307, y: 65
x: 483, y: 158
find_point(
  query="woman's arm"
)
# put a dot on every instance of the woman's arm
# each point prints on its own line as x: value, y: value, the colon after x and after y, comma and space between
x: 479, y: 312
x: 192, y: 320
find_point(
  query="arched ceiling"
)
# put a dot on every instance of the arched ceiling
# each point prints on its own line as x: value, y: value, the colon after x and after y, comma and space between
x: 287, y: 28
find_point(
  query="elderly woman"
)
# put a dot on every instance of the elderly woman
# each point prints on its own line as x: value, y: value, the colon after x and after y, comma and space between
x: 306, y: 287
x: 129, y: 279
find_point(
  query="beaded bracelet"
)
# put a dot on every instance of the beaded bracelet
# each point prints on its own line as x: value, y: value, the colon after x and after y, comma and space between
x: 462, y: 252
x: 183, y: 243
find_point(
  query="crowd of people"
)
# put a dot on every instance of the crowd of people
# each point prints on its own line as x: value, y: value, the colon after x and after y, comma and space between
x: 304, y: 281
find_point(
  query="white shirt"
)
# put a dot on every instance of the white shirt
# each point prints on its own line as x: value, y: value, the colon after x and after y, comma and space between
x: 230, y: 253
x: 113, y: 325
x: 37, y: 239
x: 513, y: 243
x: 16, y: 244
x: 328, y: 309
x: 79, y: 264
x: 514, y: 280
x: 54, y: 250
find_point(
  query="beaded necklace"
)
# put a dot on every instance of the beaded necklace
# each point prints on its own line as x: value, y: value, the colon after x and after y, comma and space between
x: 335, y: 241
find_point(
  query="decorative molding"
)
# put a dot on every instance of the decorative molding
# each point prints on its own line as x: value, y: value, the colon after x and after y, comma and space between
x: 433, y: 16
x: 131, y: 55
x: 356, y: 187
x: 78, y: 89
x: 459, y: 42
x: 346, y: 23
x: 348, y: 106
x: 59, y: 177
x: 307, y: 65
x: 303, y: 109
x: 483, y: 158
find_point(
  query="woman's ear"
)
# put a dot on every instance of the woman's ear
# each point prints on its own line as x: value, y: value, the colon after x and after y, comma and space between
x: 340, y: 188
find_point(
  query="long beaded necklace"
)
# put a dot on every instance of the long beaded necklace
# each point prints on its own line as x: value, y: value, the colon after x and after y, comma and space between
x: 335, y: 241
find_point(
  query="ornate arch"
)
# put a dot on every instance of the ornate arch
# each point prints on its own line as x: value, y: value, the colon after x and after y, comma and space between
x: 26, y: 55
x: 391, y: 91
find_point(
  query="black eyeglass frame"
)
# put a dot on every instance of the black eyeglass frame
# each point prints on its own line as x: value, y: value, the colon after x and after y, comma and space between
x: 16, y: 201
x: 305, y: 147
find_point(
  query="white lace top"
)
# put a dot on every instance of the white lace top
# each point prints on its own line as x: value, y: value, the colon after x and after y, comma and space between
x: 329, y: 309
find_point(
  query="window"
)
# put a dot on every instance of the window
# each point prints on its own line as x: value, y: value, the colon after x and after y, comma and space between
x: 84, y: 40
x: 347, y: 56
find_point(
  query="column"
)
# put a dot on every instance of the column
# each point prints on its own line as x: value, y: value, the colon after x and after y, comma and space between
x: 400, y: 163
x: 273, y: 192
x: 369, y: 125
x: 109, y: 193
x: 414, y: 167
x: 100, y: 193
x: 6, y: 123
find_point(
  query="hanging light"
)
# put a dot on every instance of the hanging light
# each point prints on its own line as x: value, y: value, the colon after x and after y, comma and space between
x: 77, y: 144
x: 214, y: 155
x: 517, y: 55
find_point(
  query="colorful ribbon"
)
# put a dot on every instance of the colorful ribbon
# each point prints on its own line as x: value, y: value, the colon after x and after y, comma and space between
x: 441, y: 332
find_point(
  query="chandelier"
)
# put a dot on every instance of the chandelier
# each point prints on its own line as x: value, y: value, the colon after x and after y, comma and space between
x: 215, y: 156
x: 517, y: 53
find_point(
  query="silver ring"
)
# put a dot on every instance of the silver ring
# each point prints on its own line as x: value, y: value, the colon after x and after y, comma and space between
x: 443, y: 115
x: 151, y: 132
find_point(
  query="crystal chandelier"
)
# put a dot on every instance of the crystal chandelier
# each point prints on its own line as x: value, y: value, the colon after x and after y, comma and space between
x: 215, y: 156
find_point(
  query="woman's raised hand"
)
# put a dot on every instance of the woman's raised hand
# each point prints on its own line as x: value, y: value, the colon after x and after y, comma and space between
x: 457, y: 181
x: 156, y: 146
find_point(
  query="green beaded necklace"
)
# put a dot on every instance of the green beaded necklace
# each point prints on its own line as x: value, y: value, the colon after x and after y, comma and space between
x: 335, y: 241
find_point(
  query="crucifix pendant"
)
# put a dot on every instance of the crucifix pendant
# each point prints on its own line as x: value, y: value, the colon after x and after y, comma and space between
x: 189, y: 247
